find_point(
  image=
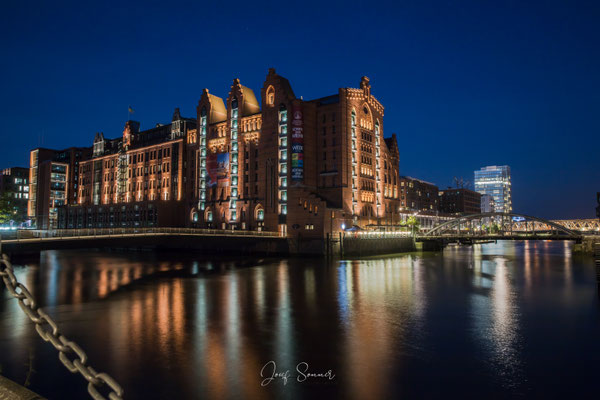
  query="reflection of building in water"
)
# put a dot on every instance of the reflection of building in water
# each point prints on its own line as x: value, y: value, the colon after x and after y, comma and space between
x: 505, y: 321
x: 284, y: 321
x: 87, y: 278
x: 225, y: 356
x: 496, y: 331
x: 374, y: 330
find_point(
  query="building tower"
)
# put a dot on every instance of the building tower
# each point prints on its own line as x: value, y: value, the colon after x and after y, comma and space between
x: 495, y: 181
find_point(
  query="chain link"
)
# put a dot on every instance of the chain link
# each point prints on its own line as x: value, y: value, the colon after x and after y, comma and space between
x: 49, y: 332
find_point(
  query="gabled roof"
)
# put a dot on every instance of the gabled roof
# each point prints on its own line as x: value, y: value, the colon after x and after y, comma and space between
x: 251, y: 105
x: 218, y: 111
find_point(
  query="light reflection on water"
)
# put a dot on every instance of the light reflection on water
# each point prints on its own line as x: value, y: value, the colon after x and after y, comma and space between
x: 474, y: 319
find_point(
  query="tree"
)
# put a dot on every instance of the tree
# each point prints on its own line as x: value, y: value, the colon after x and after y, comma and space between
x: 495, y: 228
x: 6, y: 209
x: 413, y: 223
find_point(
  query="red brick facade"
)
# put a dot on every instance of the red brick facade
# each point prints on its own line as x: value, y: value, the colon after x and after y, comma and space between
x: 276, y: 163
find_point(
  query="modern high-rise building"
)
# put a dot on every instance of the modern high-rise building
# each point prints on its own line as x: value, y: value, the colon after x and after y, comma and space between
x: 495, y: 181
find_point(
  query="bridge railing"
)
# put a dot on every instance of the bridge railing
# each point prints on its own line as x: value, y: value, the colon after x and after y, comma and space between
x: 29, y: 234
x: 475, y: 235
x: 376, y: 235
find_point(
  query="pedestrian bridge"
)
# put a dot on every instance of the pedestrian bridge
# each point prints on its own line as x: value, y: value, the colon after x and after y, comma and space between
x: 499, y: 226
x: 209, y: 240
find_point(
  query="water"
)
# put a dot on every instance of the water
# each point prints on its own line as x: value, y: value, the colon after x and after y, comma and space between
x: 498, y: 320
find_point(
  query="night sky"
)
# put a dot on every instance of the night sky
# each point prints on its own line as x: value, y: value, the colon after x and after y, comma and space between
x: 463, y: 86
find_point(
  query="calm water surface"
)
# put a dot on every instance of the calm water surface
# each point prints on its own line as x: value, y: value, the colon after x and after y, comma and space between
x: 498, y: 321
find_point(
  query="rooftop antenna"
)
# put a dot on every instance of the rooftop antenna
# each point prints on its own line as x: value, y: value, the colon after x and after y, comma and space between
x: 461, y: 183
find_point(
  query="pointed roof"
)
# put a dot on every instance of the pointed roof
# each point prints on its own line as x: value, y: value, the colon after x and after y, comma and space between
x: 251, y: 105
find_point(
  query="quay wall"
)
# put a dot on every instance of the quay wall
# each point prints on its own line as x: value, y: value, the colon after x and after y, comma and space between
x: 586, y: 245
x: 366, y: 246
x: 270, y: 246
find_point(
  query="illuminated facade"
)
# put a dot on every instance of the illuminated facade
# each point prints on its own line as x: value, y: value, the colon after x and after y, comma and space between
x: 53, y: 183
x: 487, y: 204
x: 273, y: 162
x: 138, y: 179
x: 495, y: 181
x: 294, y: 166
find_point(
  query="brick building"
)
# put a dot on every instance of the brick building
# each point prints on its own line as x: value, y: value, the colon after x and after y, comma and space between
x: 138, y: 179
x: 271, y: 162
x: 460, y: 201
x: 292, y: 165
x: 53, y: 182
x: 418, y: 195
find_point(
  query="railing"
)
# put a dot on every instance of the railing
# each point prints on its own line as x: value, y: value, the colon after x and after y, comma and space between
x: 475, y: 235
x: 376, y: 235
x: 28, y: 234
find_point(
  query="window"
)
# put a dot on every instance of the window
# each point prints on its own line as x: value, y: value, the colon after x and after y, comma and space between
x: 270, y: 96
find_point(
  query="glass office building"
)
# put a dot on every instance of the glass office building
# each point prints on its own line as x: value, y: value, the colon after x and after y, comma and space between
x: 495, y: 181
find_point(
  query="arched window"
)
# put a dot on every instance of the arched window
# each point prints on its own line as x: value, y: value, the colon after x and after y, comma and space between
x: 271, y: 96
x: 234, y: 103
x: 260, y: 214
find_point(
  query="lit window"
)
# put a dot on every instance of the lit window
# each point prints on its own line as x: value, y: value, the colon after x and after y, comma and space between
x: 270, y: 96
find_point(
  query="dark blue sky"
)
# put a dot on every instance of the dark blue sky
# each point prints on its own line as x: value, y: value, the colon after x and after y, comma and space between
x: 464, y: 86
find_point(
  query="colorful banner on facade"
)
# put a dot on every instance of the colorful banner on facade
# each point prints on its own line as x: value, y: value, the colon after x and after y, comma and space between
x: 297, y: 144
x: 223, y: 169
x: 217, y: 166
x: 211, y: 168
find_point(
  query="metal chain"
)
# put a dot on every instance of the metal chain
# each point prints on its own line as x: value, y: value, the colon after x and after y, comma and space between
x: 49, y: 332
